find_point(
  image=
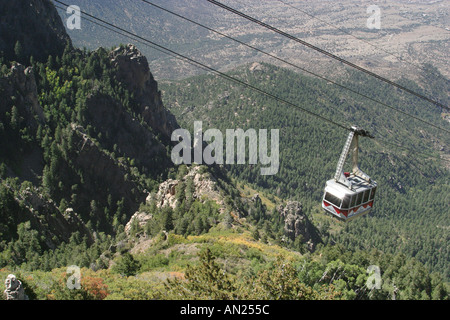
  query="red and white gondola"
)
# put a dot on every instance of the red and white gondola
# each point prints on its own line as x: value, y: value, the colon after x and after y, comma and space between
x: 350, y: 194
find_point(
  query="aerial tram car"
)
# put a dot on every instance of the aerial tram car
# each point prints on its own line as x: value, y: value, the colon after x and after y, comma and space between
x: 350, y: 194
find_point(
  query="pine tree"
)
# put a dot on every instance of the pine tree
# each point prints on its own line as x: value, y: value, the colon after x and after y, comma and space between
x: 18, y: 51
x: 167, y: 219
x: 205, y: 281
x: 127, y: 265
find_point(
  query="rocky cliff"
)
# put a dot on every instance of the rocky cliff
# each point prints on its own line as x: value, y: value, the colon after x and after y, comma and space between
x: 134, y: 72
x: 297, y: 224
x: 86, y: 158
x: 205, y: 187
x: 20, y: 103
x: 46, y: 217
x: 31, y: 28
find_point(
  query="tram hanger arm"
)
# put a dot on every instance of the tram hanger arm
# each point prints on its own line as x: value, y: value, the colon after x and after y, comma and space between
x: 352, y: 144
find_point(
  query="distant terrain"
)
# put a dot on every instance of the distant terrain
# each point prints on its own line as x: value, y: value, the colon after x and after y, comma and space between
x: 412, y: 33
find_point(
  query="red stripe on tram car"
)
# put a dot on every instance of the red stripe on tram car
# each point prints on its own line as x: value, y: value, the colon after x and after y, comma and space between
x: 338, y: 211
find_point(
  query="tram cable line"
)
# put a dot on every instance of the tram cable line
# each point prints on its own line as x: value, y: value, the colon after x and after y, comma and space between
x: 263, y: 52
x: 367, y: 189
x: 111, y: 27
x: 133, y: 38
x: 298, y: 67
x: 312, y: 73
x: 329, y: 54
x: 346, y: 196
x: 217, y: 72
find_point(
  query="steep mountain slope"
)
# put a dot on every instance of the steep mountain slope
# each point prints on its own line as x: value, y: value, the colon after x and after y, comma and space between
x: 412, y: 197
x: 84, y: 134
x: 85, y: 141
x: 17, y: 43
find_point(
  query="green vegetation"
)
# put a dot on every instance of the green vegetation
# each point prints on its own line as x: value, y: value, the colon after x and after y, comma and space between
x: 256, y: 271
x: 79, y: 161
x: 40, y: 159
x: 413, y: 193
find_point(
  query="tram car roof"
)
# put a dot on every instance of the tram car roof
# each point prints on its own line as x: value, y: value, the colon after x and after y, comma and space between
x: 358, y: 185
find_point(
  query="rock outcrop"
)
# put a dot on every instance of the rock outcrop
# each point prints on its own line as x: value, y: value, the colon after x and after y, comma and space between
x: 117, y: 126
x: 46, y: 217
x: 14, y: 289
x: 19, y: 92
x: 23, y: 82
x: 204, y: 187
x: 103, y: 174
x: 134, y: 72
x: 296, y: 224
x: 141, y: 218
x: 166, y: 194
